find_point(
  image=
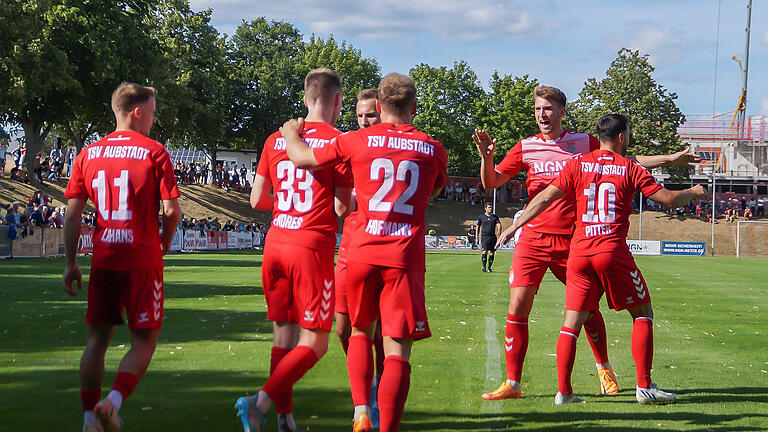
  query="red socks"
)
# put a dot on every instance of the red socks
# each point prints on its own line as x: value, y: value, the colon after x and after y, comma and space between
x: 125, y: 383
x: 378, y: 345
x: 89, y: 399
x: 393, y: 391
x: 595, y: 330
x: 515, y: 345
x: 289, y: 370
x: 284, y: 401
x: 360, y: 369
x: 566, y: 354
x: 642, y: 350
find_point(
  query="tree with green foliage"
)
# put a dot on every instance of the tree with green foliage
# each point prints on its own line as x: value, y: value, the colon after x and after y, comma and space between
x: 357, y: 72
x: 448, y: 103
x: 506, y: 113
x: 267, y: 59
x: 630, y: 89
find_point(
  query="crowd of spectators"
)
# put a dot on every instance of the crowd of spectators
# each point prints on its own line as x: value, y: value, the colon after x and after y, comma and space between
x: 38, y: 212
x: 213, y: 224
x: 192, y: 173
x: 470, y: 192
x: 55, y: 166
x: 226, y: 175
x: 731, y: 209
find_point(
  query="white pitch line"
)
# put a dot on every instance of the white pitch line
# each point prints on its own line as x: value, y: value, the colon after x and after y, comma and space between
x: 492, y: 361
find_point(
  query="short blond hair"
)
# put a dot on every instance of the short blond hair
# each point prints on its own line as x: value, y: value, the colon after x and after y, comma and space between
x: 552, y: 94
x: 128, y: 95
x: 370, y: 93
x: 397, y: 92
x: 321, y: 83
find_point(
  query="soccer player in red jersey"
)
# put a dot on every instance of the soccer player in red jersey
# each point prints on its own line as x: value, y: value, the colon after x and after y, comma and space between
x: 602, y: 184
x: 126, y: 175
x: 297, y: 270
x: 544, y: 243
x: 396, y: 169
x: 367, y: 115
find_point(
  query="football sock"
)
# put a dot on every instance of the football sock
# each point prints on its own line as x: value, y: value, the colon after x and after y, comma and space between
x: 360, y: 368
x: 89, y: 399
x: 360, y: 410
x: 290, y: 369
x: 125, y: 383
x: 515, y: 345
x: 344, y: 345
x: 283, y: 402
x: 378, y: 346
x: 642, y: 350
x: 393, y: 391
x: 566, y: 354
x: 116, y: 398
x: 490, y: 261
x: 485, y: 260
x: 598, y: 340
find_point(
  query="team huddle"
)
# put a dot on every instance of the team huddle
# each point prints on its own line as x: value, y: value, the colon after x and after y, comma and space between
x: 379, y: 179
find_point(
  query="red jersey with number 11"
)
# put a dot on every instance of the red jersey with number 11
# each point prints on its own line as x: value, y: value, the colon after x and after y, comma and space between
x: 126, y: 175
x: 395, y: 171
x: 303, y: 211
x: 603, y: 185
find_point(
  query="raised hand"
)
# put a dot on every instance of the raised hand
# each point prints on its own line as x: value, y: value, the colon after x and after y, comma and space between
x: 684, y: 158
x: 485, y: 145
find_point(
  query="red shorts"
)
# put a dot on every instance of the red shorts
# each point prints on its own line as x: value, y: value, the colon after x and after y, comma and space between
x: 298, y: 285
x: 613, y: 273
x: 395, y: 294
x: 534, y: 254
x: 340, y: 280
x: 138, y: 292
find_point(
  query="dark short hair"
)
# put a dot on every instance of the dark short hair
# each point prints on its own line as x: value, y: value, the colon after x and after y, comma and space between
x: 610, y: 126
x: 370, y: 93
x: 321, y: 83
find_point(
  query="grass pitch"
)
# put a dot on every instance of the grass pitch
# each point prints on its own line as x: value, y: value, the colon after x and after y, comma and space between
x: 710, y: 333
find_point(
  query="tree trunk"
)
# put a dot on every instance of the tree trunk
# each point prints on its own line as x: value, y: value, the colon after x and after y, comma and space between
x: 34, y: 136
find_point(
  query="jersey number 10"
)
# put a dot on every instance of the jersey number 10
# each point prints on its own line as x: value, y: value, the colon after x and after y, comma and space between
x: 606, y: 203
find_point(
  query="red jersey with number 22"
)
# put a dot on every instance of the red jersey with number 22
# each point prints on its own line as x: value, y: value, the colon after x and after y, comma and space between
x: 543, y: 159
x: 303, y: 211
x: 603, y: 185
x: 126, y: 175
x: 395, y: 171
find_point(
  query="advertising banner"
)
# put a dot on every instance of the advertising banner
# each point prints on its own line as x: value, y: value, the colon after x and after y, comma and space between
x: 213, y: 241
x: 644, y: 247
x: 85, y: 242
x: 177, y: 240
x: 248, y: 240
x: 222, y: 242
x: 258, y: 239
x: 430, y: 242
x: 201, y: 240
x: 684, y: 248
x: 231, y: 240
x: 189, y: 240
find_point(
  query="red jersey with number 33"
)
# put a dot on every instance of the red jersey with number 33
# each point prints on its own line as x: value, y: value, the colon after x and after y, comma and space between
x: 603, y: 185
x: 395, y: 170
x: 303, y: 211
x: 125, y: 174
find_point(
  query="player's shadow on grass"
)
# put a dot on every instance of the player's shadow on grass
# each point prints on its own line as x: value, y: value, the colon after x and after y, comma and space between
x: 181, y: 290
x: 559, y: 420
x: 192, y: 260
x: 731, y: 394
x: 187, y: 399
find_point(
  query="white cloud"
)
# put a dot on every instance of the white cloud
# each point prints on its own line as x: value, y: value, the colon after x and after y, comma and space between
x: 663, y: 45
x: 765, y: 37
x: 453, y: 20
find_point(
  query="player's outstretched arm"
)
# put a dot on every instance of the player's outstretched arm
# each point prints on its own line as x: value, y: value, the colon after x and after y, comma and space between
x: 261, y: 198
x: 71, y: 236
x: 488, y: 175
x: 537, y: 205
x: 674, y: 199
x: 298, y: 152
x: 683, y: 158
x: 171, y: 217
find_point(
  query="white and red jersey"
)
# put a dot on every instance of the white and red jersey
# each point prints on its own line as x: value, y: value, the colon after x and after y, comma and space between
x: 603, y: 184
x: 303, y: 211
x: 126, y: 175
x: 395, y: 171
x: 543, y: 159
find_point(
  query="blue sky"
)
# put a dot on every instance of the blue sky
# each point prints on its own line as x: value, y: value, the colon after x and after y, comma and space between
x: 562, y: 43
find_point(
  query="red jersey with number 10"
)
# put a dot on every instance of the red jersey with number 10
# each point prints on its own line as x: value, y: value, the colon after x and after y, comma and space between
x: 303, y: 211
x: 395, y: 171
x: 126, y: 175
x: 603, y: 185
